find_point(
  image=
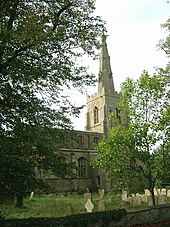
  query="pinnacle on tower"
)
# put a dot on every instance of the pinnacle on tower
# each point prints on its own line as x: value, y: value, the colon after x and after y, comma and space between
x: 105, y: 83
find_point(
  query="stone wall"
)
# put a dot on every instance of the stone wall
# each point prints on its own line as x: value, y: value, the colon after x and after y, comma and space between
x: 149, y: 216
x: 68, y: 185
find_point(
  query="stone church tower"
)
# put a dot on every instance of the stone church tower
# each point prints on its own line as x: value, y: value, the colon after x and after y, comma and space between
x: 79, y: 146
x: 100, y: 105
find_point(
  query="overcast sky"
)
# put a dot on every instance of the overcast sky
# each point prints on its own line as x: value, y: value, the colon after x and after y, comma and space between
x: 133, y: 32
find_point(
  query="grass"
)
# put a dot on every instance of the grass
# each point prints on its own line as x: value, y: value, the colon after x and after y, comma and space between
x: 55, y: 206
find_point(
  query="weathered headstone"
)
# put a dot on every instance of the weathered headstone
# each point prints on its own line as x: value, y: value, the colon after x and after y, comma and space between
x: 168, y: 193
x: 159, y: 191
x: 89, y: 206
x: 163, y: 191
x: 124, y: 195
x: 87, y: 196
x: 144, y: 198
x: 155, y: 191
x: 101, y: 195
x: 101, y: 206
x: 31, y: 195
x: 147, y: 192
x: 68, y: 210
x: 162, y: 199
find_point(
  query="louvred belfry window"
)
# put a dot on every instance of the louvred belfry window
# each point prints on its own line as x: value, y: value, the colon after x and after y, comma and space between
x: 96, y: 115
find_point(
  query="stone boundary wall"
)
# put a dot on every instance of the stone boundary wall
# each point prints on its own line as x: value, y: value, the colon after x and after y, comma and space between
x: 152, y: 215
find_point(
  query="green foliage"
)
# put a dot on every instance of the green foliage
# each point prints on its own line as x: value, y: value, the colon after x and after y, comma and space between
x: 136, y: 152
x: 165, y: 44
x: 40, y: 43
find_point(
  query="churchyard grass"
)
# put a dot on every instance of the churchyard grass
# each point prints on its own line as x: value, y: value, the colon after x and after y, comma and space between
x: 55, y: 206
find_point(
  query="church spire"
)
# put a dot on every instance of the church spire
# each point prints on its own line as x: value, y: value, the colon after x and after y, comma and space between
x: 105, y: 83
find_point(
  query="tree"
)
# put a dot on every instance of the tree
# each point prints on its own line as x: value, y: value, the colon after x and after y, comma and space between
x: 140, y: 149
x: 40, y: 43
x: 164, y: 45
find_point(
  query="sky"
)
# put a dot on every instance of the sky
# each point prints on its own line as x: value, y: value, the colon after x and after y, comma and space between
x: 134, y: 30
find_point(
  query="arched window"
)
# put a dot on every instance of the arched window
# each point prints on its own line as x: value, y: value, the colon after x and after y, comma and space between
x: 81, y: 141
x: 98, y: 180
x: 96, y: 140
x: 82, y: 167
x: 118, y: 117
x: 96, y: 115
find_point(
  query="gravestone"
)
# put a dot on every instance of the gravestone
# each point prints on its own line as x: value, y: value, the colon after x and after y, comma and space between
x: 89, y: 206
x: 155, y: 191
x: 87, y: 196
x: 163, y: 191
x: 144, y: 198
x: 147, y: 192
x: 101, y: 206
x: 168, y: 193
x: 31, y: 195
x: 124, y: 195
x: 162, y: 199
x: 68, y: 210
x: 159, y: 191
x: 101, y: 194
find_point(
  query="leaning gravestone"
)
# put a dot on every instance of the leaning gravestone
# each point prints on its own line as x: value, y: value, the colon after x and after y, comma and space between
x: 31, y: 195
x: 101, y: 195
x: 89, y: 206
x: 101, y: 206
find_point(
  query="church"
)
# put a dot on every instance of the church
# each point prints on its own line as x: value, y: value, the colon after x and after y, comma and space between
x: 82, y: 149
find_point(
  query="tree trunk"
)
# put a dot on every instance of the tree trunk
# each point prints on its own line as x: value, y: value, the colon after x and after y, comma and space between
x: 153, y: 196
x: 19, y: 200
